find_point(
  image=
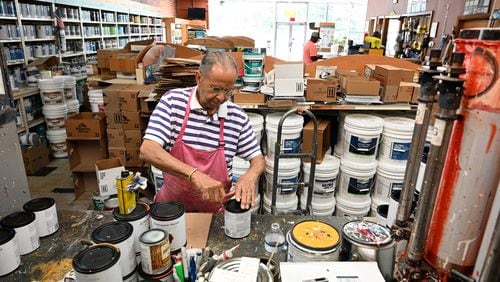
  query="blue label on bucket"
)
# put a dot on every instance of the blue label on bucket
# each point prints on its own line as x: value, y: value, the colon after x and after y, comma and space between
x: 363, y: 146
x: 324, y: 187
x: 288, y: 190
x: 360, y: 186
x: 291, y: 145
x: 400, y: 151
x: 395, y: 186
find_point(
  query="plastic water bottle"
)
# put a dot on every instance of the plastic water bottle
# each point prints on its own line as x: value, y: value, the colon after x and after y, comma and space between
x: 273, y: 237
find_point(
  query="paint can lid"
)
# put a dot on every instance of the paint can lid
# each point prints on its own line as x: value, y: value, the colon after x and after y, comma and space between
x: 316, y: 235
x: 112, y: 232
x: 141, y: 210
x: 6, y: 234
x: 96, y: 258
x: 367, y: 232
x: 153, y: 236
x: 39, y: 204
x: 18, y: 219
x: 234, y: 207
x: 167, y: 210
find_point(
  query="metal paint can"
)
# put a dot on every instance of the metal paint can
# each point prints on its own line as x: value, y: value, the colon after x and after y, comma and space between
x: 169, y: 216
x: 167, y: 276
x: 139, y: 218
x: 9, y: 251
x: 313, y: 240
x: 45, y: 215
x: 155, y: 252
x: 120, y: 234
x: 126, y: 199
x: 236, y: 220
x: 99, y: 262
x: 24, y: 224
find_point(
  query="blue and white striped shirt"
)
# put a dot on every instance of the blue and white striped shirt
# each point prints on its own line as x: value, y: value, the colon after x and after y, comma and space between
x: 202, y: 132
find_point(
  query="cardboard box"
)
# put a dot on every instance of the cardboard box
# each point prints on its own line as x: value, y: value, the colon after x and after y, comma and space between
x: 416, y: 93
x: 111, y: 96
x: 133, y: 139
x: 369, y: 70
x: 387, y: 75
x: 390, y: 93
x: 405, y: 91
x: 120, y: 153
x: 82, y: 154
x: 35, y: 157
x: 361, y: 86
x: 86, y: 126
x: 325, y: 72
x: 343, y: 74
x: 116, y: 137
x: 103, y: 56
x: 84, y: 182
x: 114, y: 119
x: 407, y: 75
x: 148, y: 99
x: 91, y: 69
x: 107, y: 171
x: 132, y: 158
x: 287, y: 87
x: 281, y: 103
x: 129, y: 97
x: 132, y: 120
x: 289, y: 70
x: 324, y: 90
x: 127, y: 61
x: 44, y: 63
x: 323, y: 139
x: 249, y: 98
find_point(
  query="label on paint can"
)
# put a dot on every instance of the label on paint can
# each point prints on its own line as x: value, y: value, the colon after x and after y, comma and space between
x: 155, y: 251
x: 45, y: 214
x: 236, y: 220
x: 26, y: 230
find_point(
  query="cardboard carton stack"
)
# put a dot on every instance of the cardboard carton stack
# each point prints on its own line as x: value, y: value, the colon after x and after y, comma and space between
x: 390, y: 78
x: 177, y: 73
x: 357, y: 88
x: 289, y: 79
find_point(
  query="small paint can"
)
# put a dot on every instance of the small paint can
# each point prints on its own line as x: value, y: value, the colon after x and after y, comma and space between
x: 110, y: 204
x: 169, y: 216
x: 167, y: 276
x: 120, y: 234
x: 155, y: 252
x: 24, y: 224
x: 139, y: 218
x: 45, y: 215
x: 9, y: 251
x: 236, y: 220
x: 99, y: 262
x: 313, y: 240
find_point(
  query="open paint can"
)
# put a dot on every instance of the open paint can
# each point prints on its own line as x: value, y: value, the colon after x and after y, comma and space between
x: 45, y: 215
x: 155, y: 252
x: 9, y: 251
x: 169, y: 216
x: 313, y: 240
x: 236, y: 220
x: 24, y: 224
x: 99, y: 262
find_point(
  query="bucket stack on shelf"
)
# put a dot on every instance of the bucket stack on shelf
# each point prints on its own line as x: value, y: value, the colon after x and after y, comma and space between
x: 69, y: 85
x: 96, y: 100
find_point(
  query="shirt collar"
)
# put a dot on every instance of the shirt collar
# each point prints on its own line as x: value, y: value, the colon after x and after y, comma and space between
x: 195, y: 105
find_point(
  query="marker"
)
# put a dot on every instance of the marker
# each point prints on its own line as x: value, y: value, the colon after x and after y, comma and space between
x: 179, y: 270
x: 192, y: 269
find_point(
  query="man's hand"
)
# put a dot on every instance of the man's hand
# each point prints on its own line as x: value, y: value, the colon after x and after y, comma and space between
x: 245, y: 190
x: 209, y: 188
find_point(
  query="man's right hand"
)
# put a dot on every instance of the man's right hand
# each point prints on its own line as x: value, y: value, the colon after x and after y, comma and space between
x: 209, y: 188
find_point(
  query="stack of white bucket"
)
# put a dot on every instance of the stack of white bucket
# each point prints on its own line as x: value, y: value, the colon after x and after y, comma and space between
x: 240, y: 166
x: 96, y: 100
x: 361, y: 137
x: 55, y: 112
x: 71, y: 100
x: 257, y: 122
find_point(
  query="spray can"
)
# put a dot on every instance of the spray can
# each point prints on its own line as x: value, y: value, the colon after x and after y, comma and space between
x: 126, y: 199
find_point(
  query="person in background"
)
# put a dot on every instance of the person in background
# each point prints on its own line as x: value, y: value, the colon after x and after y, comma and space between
x: 310, y: 49
x: 194, y: 134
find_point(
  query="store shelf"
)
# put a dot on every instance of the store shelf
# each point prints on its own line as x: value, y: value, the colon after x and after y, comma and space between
x: 11, y: 41
x: 38, y: 19
x: 123, y: 35
x: 90, y: 22
x: 74, y: 38
x: 92, y: 37
x: 71, y: 21
x: 24, y: 92
x: 52, y: 38
x: 36, y: 122
x: 109, y: 36
x: 110, y: 23
x: 72, y: 55
x: 13, y: 63
x: 91, y: 52
x: 8, y: 18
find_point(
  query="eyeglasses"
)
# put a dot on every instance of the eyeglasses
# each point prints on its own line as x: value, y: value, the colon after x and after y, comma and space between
x: 217, y: 89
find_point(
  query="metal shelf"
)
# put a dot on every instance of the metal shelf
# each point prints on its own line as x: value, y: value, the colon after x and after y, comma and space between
x: 52, y: 38
x: 37, y: 19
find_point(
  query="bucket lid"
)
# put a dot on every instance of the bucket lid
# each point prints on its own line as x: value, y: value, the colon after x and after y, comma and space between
x: 292, y: 120
x: 399, y: 124
x: 112, y: 232
x: 141, y: 210
x: 6, y: 234
x: 167, y: 210
x: 389, y: 167
x: 96, y: 258
x: 252, y: 78
x: 234, y: 207
x: 18, y: 219
x: 39, y: 204
x: 152, y: 236
x: 367, y: 232
x: 315, y: 234
x: 329, y: 165
x: 284, y: 164
x: 364, y: 121
x: 361, y: 166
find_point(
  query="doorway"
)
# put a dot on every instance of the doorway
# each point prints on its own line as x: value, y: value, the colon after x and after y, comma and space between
x: 290, y: 30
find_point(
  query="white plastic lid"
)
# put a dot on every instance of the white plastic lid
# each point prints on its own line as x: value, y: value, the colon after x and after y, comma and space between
x: 399, y: 124
x: 285, y: 164
x: 361, y: 166
x: 364, y: 121
x: 329, y: 164
x: 292, y: 120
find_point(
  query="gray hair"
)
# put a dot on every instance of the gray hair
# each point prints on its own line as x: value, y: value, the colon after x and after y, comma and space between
x: 220, y: 58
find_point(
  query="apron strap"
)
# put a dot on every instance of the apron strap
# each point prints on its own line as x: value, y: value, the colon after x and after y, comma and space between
x: 221, y: 133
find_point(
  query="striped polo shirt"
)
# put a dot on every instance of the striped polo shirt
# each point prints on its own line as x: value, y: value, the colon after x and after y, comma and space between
x: 202, y: 131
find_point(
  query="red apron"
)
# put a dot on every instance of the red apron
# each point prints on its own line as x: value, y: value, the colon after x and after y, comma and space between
x: 212, y: 163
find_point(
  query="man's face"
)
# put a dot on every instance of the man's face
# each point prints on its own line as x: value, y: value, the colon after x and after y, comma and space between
x: 215, y: 87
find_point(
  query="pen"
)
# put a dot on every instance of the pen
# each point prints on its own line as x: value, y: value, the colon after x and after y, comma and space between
x: 179, y: 270
x: 185, y: 263
x: 192, y: 269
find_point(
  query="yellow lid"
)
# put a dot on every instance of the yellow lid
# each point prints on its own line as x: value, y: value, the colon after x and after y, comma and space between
x: 315, y: 234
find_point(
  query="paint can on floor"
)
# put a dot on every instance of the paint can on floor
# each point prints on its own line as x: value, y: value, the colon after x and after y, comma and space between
x: 169, y: 216
x: 45, y: 215
x: 24, y: 224
x: 99, y: 262
x: 139, y: 218
x: 10, y: 258
x: 313, y: 240
x: 155, y: 252
x: 120, y: 234
x: 236, y: 220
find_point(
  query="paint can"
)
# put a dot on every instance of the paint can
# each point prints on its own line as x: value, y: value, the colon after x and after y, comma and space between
x: 126, y: 199
x: 169, y: 216
x: 313, y: 240
x: 24, y: 224
x: 167, y: 276
x: 139, y: 218
x: 99, y: 262
x: 120, y: 234
x: 155, y: 252
x: 45, y: 215
x: 368, y: 241
x: 9, y: 251
x: 236, y: 220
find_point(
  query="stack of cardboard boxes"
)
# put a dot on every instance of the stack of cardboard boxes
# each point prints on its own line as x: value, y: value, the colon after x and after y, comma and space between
x: 390, y: 77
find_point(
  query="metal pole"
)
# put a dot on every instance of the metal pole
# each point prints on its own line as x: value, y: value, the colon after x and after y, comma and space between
x: 450, y: 90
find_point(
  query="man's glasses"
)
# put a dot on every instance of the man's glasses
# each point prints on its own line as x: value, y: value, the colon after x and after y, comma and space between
x: 217, y: 90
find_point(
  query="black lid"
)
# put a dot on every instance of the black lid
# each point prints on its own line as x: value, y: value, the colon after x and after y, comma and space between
x: 167, y: 210
x: 234, y: 206
x: 18, y: 219
x: 383, y: 210
x: 6, y: 234
x: 96, y: 258
x: 39, y: 204
x: 112, y: 232
x: 140, y: 211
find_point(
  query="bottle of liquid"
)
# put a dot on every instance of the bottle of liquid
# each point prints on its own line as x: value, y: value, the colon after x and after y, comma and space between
x: 273, y: 237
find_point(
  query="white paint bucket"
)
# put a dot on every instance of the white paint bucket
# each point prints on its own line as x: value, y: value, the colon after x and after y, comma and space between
x: 352, y: 209
x: 55, y: 115
x: 256, y: 207
x: 313, y: 240
x: 169, y: 216
x: 375, y: 203
x: 257, y: 122
x: 320, y: 209
x: 393, y: 207
x: 45, y: 215
x: 396, y: 139
x: 24, y: 223
x: 339, y: 144
x: 119, y: 234
x: 390, y: 177
x: 69, y: 86
x: 236, y: 220
x: 356, y: 179
x: 325, y: 179
x: 253, y: 64
x: 361, y: 136
x: 282, y: 206
x: 139, y: 218
x: 290, y: 133
x: 99, y: 262
x: 157, y: 178
x: 73, y: 107
x: 57, y: 140
x: 9, y: 251
x: 132, y: 277
x: 51, y: 90
x: 96, y: 100
x: 288, y: 172
x: 155, y: 252
x: 381, y: 215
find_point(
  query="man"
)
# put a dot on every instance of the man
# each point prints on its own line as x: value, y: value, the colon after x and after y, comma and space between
x: 310, y: 49
x: 193, y: 135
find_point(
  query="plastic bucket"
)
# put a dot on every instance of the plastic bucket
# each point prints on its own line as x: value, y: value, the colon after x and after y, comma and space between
x: 51, y: 90
x: 390, y: 177
x: 69, y: 86
x: 24, y: 224
x: 169, y: 216
x: 257, y: 122
x: 393, y: 207
x: 321, y: 208
x: 396, y: 139
x: 281, y: 206
x: 290, y: 134
x: 9, y: 251
x: 99, y: 262
x: 356, y: 179
x: 240, y: 167
x: 325, y: 180
x: 351, y: 209
x: 375, y: 203
x: 155, y: 251
x: 157, y: 178
x: 362, y: 136
x: 313, y: 240
x: 236, y: 220
x: 253, y: 64
x: 73, y: 107
x: 288, y: 172
x: 55, y: 115
x: 96, y: 100
x: 256, y: 207
x: 57, y: 140
x: 45, y: 215
x: 339, y: 144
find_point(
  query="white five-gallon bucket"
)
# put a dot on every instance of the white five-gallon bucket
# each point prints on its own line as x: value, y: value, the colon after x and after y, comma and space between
x: 362, y: 136
x: 99, y: 262
x: 96, y: 100
x: 257, y: 122
x: 253, y: 64
x: 290, y: 133
x: 381, y: 214
x: 393, y: 207
x: 157, y: 178
x: 390, y: 176
x: 57, y: 140
x: 73, y: 107
x: 377, y: 202
x: 396, y: 139
x: 339, y: 145
x: 352, y: 209
x: 9, y: 251
x: 45, y: 214
x: 288, y: 172
x: 283, y: 206
x: 356, y: 179
x: 55, y: 115
x: 325, y: 180
x: 51, y: 90
x: 24, y: 224
x: 170, y: 216
x: 69, y: 85
x: 313, y: 240
x: 319, y: 209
